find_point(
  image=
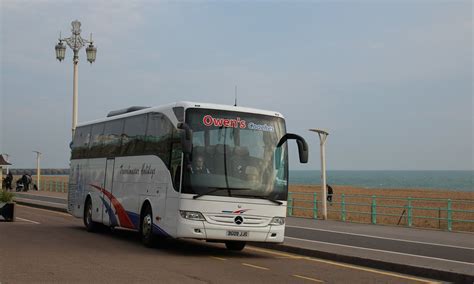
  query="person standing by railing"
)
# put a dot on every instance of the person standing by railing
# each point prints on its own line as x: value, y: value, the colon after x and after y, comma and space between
x: 330, y: 193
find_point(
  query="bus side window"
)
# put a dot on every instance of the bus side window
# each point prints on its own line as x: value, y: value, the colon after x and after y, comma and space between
x: 112, y: 138
x: 133, y: 137
x: 95, y: 146
x: 80, y: 143
x: 176, y: 154
x: 158, y: 137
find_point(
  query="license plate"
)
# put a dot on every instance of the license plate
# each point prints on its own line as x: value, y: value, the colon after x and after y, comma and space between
x: 237, y: 234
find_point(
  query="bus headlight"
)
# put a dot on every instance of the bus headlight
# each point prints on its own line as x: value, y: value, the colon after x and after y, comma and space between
x: 192, y: 215
x: 278, y: 221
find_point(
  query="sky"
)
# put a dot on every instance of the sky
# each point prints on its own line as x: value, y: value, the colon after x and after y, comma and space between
x: 391, y: 81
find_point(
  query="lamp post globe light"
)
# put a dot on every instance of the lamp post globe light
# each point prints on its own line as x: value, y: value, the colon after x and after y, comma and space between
x: 75, y: 42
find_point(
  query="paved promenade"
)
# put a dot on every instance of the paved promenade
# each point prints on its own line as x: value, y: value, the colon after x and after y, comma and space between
x: 429, y: 253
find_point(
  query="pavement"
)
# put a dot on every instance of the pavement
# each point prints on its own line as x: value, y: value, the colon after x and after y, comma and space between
x: 442, y: 255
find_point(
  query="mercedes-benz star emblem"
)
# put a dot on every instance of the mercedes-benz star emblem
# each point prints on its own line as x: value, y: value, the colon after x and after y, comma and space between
x: 238, y: 220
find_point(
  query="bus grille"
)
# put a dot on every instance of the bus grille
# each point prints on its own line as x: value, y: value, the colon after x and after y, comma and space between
x: 252, y: 221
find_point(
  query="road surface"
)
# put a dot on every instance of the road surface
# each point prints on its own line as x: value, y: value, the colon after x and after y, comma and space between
x: 48, y: 246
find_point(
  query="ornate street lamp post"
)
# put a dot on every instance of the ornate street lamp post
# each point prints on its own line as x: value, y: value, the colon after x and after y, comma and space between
x: 75, y: 42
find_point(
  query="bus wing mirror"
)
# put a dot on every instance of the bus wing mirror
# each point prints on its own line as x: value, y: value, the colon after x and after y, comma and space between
x: 186, y: 138
x: 302, y: 145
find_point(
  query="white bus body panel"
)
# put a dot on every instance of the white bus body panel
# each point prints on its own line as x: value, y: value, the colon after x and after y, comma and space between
x: 146, y: 178
x: 135, y: 180
x: 220, y: 213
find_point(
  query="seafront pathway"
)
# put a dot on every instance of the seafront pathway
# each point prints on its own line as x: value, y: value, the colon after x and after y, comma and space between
x: 424, y: 252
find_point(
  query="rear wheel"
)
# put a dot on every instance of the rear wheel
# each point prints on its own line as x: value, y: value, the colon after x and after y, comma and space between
x: 146, y: 227
x: 235, y: 245
x: 91, y: 226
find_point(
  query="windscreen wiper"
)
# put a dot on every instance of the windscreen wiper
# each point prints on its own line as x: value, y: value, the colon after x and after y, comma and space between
x: 217, y: 189
x: 263, y: 197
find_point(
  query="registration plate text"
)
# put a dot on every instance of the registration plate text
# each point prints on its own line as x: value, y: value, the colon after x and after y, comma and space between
x: 237, y: 234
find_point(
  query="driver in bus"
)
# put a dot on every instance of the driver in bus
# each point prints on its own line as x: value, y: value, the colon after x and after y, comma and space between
x: 199, y: 167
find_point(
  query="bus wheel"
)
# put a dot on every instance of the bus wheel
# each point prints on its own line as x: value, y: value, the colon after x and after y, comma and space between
x: 146, y: 227
x: 91, y: 226
x: 235, y: 245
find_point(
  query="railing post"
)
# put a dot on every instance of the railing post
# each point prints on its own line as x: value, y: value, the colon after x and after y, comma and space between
x: 374, y: 210
x: 410, y: 212
x: 343, y: 207
x: 450, y: 220
x: 315, y: 205
x: 290, y: 204
x: 50, y: 185
x: 56, y: 186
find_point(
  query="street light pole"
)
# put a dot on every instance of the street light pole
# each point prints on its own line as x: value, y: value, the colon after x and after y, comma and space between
x: 75, y: 42
x: 322, y: 139
x: 38, y: 172
x: 7, y: 156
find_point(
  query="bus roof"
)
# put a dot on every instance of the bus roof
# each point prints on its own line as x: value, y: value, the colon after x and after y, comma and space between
x: 186, y: 105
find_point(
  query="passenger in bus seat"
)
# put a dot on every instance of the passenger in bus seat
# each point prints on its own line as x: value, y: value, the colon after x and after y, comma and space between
x: 253, y: 176
x: 240, y: 161
x: 209, y: 152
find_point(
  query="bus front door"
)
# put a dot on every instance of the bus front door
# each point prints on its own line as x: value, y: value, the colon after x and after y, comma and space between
x: 107, y: 208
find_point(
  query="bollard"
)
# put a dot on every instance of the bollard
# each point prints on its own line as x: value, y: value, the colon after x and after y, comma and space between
x: 410, y: 213
x: 374, y: 210
x: 315, y: 205
x: 450, y: 220
x: 343, y: 207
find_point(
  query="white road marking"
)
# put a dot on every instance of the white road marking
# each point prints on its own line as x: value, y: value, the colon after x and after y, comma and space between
x: 377, y: 237
x: 308, y: 278
x: 385, y: 251
x: 26, y: 220
x: 255, y: 266
x: 219, y: 258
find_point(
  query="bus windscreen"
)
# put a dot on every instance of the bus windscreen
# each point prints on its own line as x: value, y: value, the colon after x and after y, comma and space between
x: 234, y: 155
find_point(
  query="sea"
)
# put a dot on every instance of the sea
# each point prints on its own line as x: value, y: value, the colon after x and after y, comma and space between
x: 442, y: 180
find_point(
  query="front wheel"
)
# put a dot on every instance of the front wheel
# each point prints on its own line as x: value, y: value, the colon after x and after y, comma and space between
x: 146, y: 227
x: 235, y: 245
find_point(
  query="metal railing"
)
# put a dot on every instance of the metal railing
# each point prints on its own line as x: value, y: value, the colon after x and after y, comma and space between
x: 53, y: 185
x: 449, y: 214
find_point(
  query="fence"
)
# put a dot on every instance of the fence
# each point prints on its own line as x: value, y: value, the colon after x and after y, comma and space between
x: 53, y: 185
x: 446, y: 214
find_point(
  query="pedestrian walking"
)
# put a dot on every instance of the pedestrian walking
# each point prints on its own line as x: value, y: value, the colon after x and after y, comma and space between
x: 9, y: 181
x: 26, y: 182
x: 330, y: 193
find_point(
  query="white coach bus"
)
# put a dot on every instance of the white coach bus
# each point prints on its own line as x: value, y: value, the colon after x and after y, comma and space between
x: 184, y: 170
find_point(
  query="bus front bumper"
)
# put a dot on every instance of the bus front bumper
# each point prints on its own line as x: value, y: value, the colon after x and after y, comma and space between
x: 207, y: 231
